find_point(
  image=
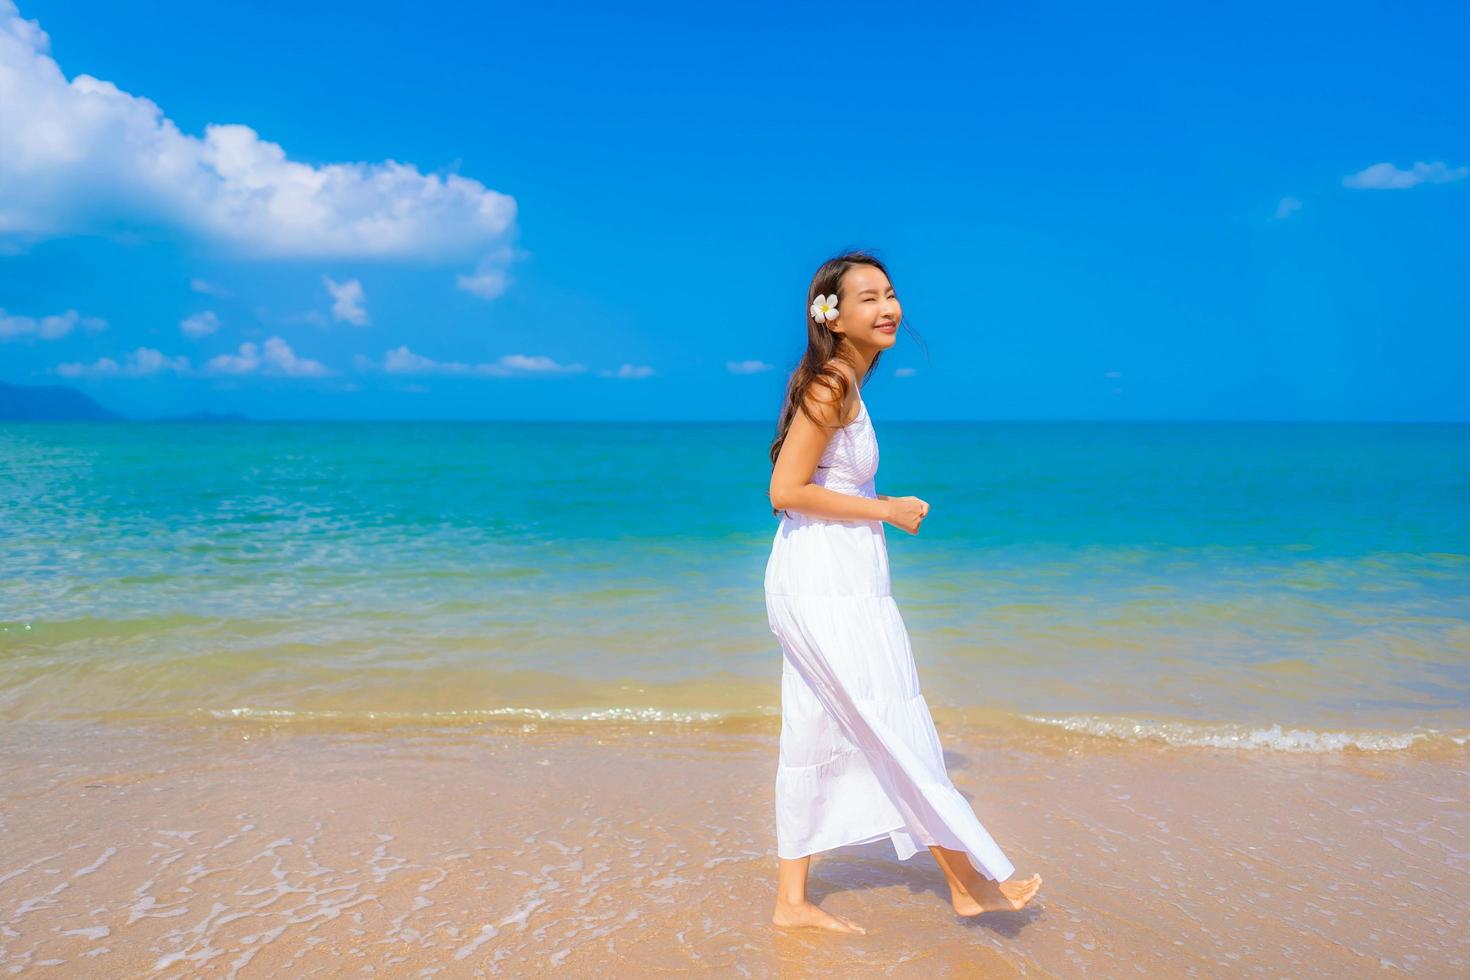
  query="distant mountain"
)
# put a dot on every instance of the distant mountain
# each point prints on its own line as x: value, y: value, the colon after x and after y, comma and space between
x: 50, y: 403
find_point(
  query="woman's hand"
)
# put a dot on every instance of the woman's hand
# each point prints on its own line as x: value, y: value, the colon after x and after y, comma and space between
x: 907, y: 513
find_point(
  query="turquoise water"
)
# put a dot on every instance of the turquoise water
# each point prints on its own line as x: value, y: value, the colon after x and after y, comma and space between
x: 1286, y: 586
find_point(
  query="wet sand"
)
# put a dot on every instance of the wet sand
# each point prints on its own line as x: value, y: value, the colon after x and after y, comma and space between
x: 244, y: 851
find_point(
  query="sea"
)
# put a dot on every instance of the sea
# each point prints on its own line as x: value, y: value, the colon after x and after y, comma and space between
x: 1265, y: 587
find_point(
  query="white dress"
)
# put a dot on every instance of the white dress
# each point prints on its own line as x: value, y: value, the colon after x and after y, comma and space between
x: 860, y: 758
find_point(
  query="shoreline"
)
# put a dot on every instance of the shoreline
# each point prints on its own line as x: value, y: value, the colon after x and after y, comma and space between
x: 1041, y: 731
x: 230, y: 851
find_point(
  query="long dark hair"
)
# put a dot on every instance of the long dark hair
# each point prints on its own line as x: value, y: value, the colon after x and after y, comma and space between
x: 822, y: 346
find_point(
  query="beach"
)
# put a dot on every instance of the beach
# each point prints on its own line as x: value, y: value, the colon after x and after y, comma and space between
x: 252, y: 852
x: 443, y: 699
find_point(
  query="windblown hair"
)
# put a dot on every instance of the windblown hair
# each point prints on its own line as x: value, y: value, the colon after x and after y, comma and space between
x: 822, y: 347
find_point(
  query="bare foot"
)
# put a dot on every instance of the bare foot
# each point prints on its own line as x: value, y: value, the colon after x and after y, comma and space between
x: 983, y: 895
x: 808, y: 916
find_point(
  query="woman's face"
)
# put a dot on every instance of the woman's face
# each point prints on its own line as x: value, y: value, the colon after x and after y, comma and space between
x: 867, y: 309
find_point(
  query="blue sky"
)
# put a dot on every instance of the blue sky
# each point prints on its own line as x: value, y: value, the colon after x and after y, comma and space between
x: 561, y: 211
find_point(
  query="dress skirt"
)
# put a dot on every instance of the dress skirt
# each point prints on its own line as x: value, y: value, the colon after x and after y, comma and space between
x: 860, y: 758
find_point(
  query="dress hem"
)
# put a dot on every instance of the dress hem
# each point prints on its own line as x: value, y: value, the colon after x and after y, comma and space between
x: 901, y: 828
x: 866, y: 839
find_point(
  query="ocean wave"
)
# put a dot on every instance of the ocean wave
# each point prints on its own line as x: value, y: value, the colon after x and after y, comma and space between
x: 956, y: 723
x: 1249, y: 737
x: 497, y: 717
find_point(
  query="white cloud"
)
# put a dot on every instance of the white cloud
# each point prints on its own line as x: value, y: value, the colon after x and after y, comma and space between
x: 404, y: 361
x: 486, y: 282
x: 401, y: 360
x: 246, y: 362
x: 277, y: 358
x: 347, y: 300
x: 1287, y: 206
x: 84, y: 156
x: 207, y: 288
x: 536, y: 365
x: 141, y: 363
x: 52, y: 327
x: 1385, y: 176
x: 748, y: 367
x: 491, y: 278
x: 199, y: 325
x: 904, y: 372
x: 630, y: 371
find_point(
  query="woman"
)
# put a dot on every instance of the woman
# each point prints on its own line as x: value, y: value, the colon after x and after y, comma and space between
x: 860, y: 758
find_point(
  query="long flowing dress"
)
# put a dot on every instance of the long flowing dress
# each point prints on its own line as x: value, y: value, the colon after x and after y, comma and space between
x: 860, y: 758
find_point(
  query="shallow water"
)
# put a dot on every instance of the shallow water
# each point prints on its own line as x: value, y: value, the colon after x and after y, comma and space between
x: 1291, y: 587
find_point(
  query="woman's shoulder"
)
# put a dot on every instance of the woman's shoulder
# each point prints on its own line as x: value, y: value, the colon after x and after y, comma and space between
x: 850, y: 409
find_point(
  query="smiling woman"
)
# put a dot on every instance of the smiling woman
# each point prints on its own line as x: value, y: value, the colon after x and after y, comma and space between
x: 872, y: 320
x: 860, y: 758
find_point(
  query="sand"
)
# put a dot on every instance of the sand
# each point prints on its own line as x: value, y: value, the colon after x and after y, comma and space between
x: 252, y: 852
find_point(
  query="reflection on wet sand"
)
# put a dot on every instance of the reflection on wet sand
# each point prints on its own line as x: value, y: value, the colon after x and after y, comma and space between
x: 242, y: 852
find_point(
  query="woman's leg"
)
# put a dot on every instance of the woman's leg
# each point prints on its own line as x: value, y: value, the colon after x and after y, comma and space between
x: 972, y: 893
x: 793, y: 911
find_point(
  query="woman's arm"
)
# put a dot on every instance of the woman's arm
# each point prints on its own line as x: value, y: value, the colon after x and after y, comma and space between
x: 791, y: 480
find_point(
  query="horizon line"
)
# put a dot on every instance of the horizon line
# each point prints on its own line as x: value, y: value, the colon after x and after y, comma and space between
x: 606, y: 421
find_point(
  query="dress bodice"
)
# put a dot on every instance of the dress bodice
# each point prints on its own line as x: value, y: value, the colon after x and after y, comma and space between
x: 819, y: 556
x: 850, y: 461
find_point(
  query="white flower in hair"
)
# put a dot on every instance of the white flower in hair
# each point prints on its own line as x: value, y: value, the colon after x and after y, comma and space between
x: 825, y: 308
